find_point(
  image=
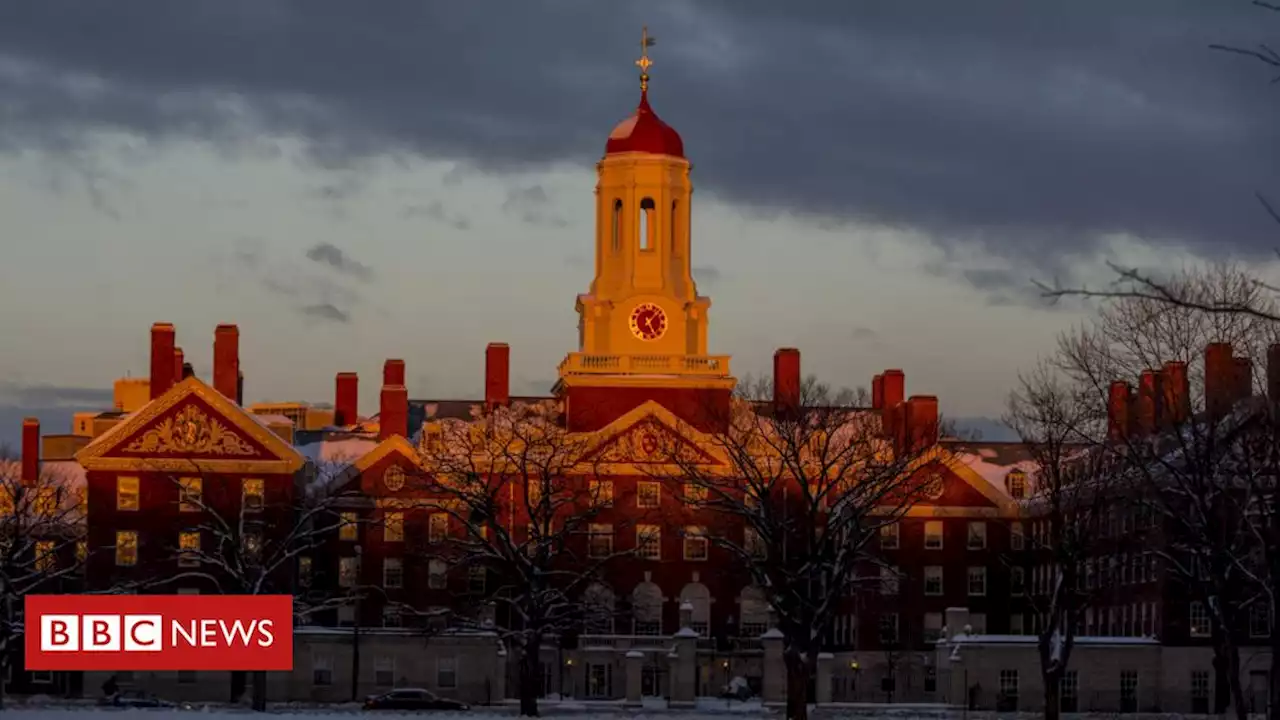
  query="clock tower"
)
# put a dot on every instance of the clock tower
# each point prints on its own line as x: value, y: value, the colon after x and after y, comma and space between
x: 642, y: 322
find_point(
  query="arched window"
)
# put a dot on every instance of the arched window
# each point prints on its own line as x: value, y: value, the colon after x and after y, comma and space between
x: 675, y: 243
x: 647, y: 227
x: 697, y: 595
x: 617, y: 225
x: 646, y: 605
x: 753, y: 608
x: 598, y: 609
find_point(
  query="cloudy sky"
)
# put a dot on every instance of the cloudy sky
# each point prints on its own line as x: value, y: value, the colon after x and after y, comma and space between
x: 878, y: 182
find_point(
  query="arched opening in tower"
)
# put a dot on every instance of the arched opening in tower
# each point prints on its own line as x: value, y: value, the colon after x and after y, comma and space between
x: 617, y: 224
x: 647, y: 227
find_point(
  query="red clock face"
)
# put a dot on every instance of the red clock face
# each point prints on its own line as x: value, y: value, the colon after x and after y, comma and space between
x: 648, y: 321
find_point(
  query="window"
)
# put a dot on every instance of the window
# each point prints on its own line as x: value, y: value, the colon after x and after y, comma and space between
x: 392, y: 573
x: 1008, y: 699
x: 932, y: 626
x: 1198, y: 620
x: 1070, y: 691
x: 599, y: 680
x: 1128, y: 691
x: 1016, y: 624
x: 47, y: 501
x: 617, y: 225
x: 602, y: 493
x: 978, y: 623
x: 599, y: 541
x: 1016, y: 484
x: 437, y: 527
x: 393, y: 527
x: 930, y: 679
x: 350, y: 528
x: 1017, y: 536
x: 1017, y: 581
x: 977, y: 535
x: 753, y: 544
x: 391, y: 617
x: 437, y: 575
x: 977, y: 581
x: 476, y: 579
x: 253, y: 495
x: 889, y: 628
x: 82, y: 551
x: 647, y: 225
x: 253, y: 546
x: 126, y: 493
x: 933, y: 535
x: 384, y: 671
x: 1200, y: 692
x: 189, y: 548
x: 889, y: 536
x: 648, y: 494
x: 888, y: 580
x: 649, y: 542
x: 447, y: 672
x: 933, y: 580
x: 46, y: 555
x: 126, y: 547
x: 695, y: 543
x: 304, y: 571
x: 348, y: 571
x: 1259, y: 620
x: 694, y: 494
x: 190, y: 494
x: 321, y: 670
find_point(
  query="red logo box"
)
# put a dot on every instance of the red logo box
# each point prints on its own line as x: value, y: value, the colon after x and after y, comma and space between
x: 159, y: 632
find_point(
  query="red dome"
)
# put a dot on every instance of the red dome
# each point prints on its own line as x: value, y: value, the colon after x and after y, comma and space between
x: 644, y: 132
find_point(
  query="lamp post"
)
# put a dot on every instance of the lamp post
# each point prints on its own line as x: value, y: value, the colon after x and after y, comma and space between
x: 569, y: 665
x: 855, y: 669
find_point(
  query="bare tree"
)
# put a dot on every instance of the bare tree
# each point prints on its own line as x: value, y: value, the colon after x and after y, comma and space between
x: 810, y: 482
x: 514, y: 501
x: 42, y: 525
x: 1073, y: 497
x: 248, y: 537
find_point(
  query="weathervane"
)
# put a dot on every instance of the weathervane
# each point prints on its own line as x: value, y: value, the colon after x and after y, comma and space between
x: 646, y: 42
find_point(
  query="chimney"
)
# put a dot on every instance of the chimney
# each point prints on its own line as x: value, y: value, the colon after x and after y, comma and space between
x: 30, y: 451
x: 240, y: 387
x: 893, y: 391
x: 921, y: 423
x: 497, y: 375
x: 1273, y: 373
x: 226, y: 361
x: 1219, y: 379
x: 1177, y: 394
x: 1150, y: 394
x: 1243, y: 377
x: 187, y: 370
x: 786, y: 380
x: 1118, y: 411
x: 393, y: 416
x: 178, y: 361
x: 346, y: 399
x: 877, y: 392
x: 162, y: 345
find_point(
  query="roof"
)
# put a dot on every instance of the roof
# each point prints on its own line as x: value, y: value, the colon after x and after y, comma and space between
x: 644, y: 132
x: 993, y: 461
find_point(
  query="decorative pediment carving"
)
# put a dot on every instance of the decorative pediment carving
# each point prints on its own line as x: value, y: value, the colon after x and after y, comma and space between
x: 649, y: 441
x: 192, y: 431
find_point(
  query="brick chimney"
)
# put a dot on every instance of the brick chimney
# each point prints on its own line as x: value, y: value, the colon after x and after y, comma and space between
x: 346, y: 399
x: 1243, y: 377
x: 892, y: 394
x: 239, y: 387
x: 1219, y: 379
x: 877, y: 392
x: 1273, y: 373
x: 921, y: 423
x: 178, y: 361
x: 786, y: 380
x: 1177, y: 394
x: 1150, y: 395
x: 162, y: 345
x: 30, y: 451
x: 1118, y: 415
x: 226, y: 361
x: 393, y: 416
x: 497, y: 375
x: 187, y: 370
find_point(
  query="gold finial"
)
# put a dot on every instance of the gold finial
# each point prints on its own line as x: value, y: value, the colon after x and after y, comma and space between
x: 646, y: 42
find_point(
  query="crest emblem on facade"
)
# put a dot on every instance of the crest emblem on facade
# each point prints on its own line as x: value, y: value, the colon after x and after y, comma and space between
x: 191, y: 431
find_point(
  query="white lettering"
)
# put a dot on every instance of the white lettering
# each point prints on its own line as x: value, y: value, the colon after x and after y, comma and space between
x: 187, y: 634
x: 209, y: 633
x: 59, y: 632
x: 237, y: 628
x: 264, y: 629
x: 142, y: 633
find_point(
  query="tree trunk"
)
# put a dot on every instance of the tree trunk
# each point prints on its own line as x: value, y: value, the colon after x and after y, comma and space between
x: 799, y: 672
x: 238, y: 682
x: 260, y: 691
x: 530, y: 678
x: 1226, y: 668
x: 1052, y: 693
x: 1273, y: 690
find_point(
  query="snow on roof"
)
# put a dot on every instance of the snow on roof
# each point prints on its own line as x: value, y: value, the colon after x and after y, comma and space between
x: 333, y: 456
x: 1032, y: 640
x: 994, y: 461
x: 273, y: 419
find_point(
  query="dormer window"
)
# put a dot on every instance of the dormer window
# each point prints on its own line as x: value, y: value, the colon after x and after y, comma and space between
x: 1016, y: 483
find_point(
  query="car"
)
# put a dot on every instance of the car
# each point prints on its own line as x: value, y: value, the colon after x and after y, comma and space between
x: 412, y: 699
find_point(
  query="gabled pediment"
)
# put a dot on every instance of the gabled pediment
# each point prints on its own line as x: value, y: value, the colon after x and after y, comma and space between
x: 650, y: 435
x: 959, y: 486
x: 192, y: 427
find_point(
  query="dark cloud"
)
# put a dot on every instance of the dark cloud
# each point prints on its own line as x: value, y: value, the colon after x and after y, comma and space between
x: 49, y: 396
x: 532, y: 205
x: 336, y: 258
x: 864, y: 334
x: 708, y: 275
x: 435, y: 210
x: 326, y: 311
x: 1030, y: 129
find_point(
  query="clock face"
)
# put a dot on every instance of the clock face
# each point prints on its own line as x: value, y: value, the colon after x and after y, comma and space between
x: 648, y: 321
x: 393, y: 478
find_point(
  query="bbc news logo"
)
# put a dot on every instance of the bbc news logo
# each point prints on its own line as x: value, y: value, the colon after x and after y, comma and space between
x: 159, y: 632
